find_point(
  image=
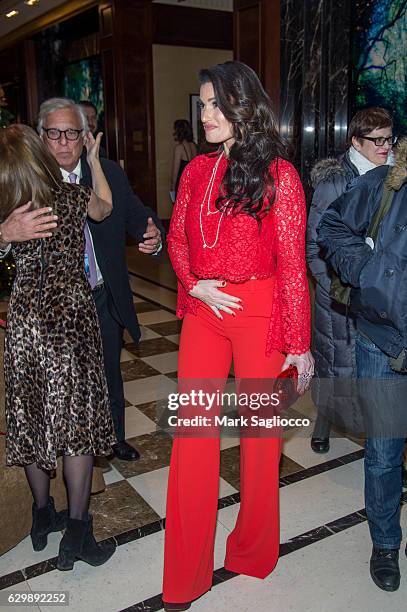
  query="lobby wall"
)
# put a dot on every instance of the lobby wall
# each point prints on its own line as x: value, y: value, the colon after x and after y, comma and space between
x: 175, y: 74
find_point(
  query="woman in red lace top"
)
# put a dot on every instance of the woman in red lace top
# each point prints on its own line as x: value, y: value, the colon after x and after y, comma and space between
x: 236, y: 243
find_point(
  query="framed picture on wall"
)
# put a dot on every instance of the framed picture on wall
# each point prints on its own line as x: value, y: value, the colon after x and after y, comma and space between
x: 195, y: 118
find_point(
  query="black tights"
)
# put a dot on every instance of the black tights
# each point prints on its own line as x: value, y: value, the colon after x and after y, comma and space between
x: 78, y: 480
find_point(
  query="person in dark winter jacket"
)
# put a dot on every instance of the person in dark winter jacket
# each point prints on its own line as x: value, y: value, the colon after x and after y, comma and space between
x: 376, y: 269
x: 370, y: 140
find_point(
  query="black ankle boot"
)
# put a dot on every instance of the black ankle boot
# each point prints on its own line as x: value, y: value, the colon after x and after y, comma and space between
x: 79, y: 543
x: 45, y: 521
x: 384, y: 569
x: 320, y: 445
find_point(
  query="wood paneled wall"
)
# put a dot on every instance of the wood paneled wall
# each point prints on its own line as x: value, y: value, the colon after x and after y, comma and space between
x: 127, y: 31
x: 126, y: 47
x: 190, y: 27
x: 257, y: 41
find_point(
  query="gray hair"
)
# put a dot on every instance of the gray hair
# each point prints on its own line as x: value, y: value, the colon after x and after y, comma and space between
x: 53, y: 104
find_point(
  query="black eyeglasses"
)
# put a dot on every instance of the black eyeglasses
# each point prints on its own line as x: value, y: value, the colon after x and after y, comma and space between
x: 380, y: 141
x: 55, y: 134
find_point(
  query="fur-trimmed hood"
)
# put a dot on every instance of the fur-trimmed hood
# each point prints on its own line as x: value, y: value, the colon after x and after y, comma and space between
x: 398, y: 173
x: 325, y: 170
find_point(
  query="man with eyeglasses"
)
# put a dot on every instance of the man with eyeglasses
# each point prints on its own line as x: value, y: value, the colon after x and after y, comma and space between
x: 374, y: 264
x: 63, y: 127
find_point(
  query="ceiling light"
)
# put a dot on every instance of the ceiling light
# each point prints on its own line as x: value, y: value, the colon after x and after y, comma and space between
x: 12, y: 13
x: 31, y: 2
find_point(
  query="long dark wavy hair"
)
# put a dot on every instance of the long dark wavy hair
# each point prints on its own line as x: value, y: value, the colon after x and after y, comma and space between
x: 247, y: 186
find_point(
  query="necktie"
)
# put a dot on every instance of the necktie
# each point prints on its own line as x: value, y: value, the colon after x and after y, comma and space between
x: 90, y: 263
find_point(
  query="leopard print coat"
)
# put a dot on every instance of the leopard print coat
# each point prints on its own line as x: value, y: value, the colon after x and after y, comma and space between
x: 56, y: 393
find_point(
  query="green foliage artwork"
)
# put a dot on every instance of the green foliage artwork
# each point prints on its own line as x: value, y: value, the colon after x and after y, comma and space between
x: 380, y: 57
x: 83, y: 81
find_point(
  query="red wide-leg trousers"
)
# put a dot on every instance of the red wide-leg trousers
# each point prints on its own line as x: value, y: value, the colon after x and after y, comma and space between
x: 207, y: 347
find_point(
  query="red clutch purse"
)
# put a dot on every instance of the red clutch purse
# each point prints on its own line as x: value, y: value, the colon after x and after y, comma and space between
x: 286, y: 387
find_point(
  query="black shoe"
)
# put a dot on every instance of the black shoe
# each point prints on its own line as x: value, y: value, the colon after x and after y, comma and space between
x: 125, y: 452
x: 79, y: 543
x: 404, y: 476
x: 384, y: 568
x: 320, y: 445
x: 45, y: 521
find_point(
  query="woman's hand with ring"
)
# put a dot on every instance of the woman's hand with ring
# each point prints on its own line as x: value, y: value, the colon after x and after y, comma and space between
x: 305, y: 367
x: 207, y: 291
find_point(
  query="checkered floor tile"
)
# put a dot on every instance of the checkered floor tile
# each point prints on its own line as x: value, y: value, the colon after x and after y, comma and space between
x: 321, y: 499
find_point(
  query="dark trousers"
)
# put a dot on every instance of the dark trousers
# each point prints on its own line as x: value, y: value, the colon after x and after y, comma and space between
x: 112, y: 340
x: 322, y: 428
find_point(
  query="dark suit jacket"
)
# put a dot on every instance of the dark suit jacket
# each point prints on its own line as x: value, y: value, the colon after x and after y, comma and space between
x: 129, y: 215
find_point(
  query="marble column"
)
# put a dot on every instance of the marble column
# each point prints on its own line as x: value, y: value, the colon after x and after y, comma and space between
x: 315, y: 58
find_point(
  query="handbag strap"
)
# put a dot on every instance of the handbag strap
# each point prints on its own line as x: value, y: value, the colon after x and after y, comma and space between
x: 385, y: 203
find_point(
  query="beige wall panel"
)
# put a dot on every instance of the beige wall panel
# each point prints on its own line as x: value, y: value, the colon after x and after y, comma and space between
x: 175, y: 77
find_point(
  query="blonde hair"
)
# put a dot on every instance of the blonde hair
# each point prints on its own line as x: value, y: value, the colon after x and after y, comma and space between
x: 28, y: 171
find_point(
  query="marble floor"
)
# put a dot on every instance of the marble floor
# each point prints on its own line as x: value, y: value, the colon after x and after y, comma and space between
x: 325, y: 544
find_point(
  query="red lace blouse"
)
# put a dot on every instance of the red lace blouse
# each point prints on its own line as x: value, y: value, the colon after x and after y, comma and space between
x: 242, y: 251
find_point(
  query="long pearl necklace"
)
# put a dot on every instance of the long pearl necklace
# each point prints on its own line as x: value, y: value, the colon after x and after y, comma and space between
x: 208, y: 194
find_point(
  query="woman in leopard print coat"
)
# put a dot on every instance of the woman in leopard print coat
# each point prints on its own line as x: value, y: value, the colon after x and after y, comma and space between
x: 56, y: 392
